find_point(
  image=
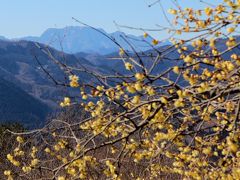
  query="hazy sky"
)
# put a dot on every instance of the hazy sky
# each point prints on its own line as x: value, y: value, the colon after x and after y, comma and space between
x: 31, y: 17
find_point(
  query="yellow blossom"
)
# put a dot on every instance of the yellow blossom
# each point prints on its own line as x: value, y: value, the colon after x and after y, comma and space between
x: 47, y: 150
x: 7, y: 172
x: 136, y: 99
x: 172, y: 11
x: 131, y: 89
x: 139, y: 76
x: 145, y: 35
x: 176, y: 69
x: 66, y: 102
x: 230, y: 30
x: 9, y: 157
x: 19, y: 139
x: 164, y: 100
x: 208, y: 11
x: 138, y: 86
x: 155, y: 42
x: 26, y: 169
x: 61, y: 178
x: 121, y: 52
x: 128, y: 66
x: 188, y: 59
x: 150, y: 90
x: 34, y: 162
x: 74, y: 80
x: 207, y: 150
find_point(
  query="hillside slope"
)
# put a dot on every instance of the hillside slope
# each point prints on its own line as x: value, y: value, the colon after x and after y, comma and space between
x: 18, y: 106
x: 19, y: 66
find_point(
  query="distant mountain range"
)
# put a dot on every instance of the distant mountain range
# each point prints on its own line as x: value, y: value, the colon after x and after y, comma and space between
x: 3, y: 38
x: 27, y: 94
x: 20, y: 70
x: 75, y: 39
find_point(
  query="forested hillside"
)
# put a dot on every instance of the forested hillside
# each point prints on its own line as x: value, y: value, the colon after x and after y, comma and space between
x: 18, y: 106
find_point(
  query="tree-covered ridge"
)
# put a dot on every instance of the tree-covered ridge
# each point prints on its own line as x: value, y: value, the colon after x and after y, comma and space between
x: 18, y: 106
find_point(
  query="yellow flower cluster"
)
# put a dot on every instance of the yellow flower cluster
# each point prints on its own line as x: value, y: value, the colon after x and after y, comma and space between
x: 74, y: 81
x: 12, y: 160
x: 66, y: 102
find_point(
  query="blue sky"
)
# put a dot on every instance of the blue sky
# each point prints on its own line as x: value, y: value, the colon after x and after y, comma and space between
x: 31, y: 17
